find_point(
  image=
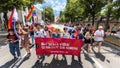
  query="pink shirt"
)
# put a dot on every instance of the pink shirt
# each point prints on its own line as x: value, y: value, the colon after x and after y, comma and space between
x: 47, y: 34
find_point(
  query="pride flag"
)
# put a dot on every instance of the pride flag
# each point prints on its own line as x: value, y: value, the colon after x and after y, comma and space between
x: 14, y: 16
x: 31, y: 13
x: 10, y: 20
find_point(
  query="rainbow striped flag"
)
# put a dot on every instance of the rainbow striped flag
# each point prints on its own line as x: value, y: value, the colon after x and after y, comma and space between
x: 31, y: 13
x: 10, y: 20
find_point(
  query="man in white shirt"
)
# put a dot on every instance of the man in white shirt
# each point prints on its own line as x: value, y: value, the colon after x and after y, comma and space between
x: 40, y: 33
x: 42, y: 22
x: 98, y: 37
x: 66, y: 34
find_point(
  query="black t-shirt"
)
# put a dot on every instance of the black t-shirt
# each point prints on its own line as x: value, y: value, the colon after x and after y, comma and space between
x: 12, y: 37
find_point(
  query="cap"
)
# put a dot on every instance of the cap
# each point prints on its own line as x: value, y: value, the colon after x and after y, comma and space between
x: 100, y: 27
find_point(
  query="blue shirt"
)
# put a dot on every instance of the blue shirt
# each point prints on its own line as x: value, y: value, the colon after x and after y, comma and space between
x: 55, y: 35
x: 79, y: 35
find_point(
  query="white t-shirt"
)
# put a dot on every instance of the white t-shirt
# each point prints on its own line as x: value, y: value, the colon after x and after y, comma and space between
x: 42, y: 23
x: 97, y: 34
x: 40, y: 33
x: 82, y: 30
x: 66, y: 35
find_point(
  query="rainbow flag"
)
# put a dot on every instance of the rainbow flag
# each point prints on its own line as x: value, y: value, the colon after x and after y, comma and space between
x: 10, y: 20
x: 31, y: 13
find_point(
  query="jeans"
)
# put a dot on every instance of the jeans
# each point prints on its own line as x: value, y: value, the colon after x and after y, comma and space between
x: 14, y: 47
x: 32, y: 38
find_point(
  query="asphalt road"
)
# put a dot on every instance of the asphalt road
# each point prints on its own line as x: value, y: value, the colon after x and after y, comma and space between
x: 108, y: 58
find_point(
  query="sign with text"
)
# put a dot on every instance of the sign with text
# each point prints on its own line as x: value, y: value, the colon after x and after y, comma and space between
x: 58, y: 46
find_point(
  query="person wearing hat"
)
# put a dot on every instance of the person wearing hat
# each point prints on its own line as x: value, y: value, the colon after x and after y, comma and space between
x: 78, y: 35
x: 66, y: 35
x: 98, y: 37
x: 40, y: 32
x: 13, y: 43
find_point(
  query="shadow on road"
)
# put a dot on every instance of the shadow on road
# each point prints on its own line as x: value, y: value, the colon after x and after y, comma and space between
x: 113, y: 50
x: 58, y: 64
x: 99, y: 56
x: 25, y: 59
x: 9, y: 63
x: 89, y: 59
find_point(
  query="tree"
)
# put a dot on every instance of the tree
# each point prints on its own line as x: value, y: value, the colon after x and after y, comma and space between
x: 6, y: 5
x: 72, y: 11
x: 48, y: 14
x: 116, y: 10
x: 109, y: 10
x: 81, y: 9
x: 92, y: 7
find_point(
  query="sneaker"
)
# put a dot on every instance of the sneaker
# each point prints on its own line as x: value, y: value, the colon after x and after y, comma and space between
x: 19, y: 57
x: 15, y: 57
x: 28, y: 55
x: 38, y: 61
x: 80, y: 62
x: 68, y: 64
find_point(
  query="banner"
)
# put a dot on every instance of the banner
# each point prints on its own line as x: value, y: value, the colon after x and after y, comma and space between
x: 58, y: 46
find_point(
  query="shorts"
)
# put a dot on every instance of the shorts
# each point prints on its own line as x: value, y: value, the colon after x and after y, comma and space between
x: 87, y: 41
x: 98, y: 41
x: 92, y: 40
x: 113, y: 31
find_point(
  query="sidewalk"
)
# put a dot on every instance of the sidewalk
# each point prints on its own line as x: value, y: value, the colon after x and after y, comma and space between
x: 112, y: 40
x: 3, y: 35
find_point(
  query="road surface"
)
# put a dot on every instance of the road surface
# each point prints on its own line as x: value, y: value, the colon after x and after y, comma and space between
x: 108, y: 58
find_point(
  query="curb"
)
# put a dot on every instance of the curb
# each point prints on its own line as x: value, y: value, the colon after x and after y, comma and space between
x: 112, y: 40
x: 106, y: 41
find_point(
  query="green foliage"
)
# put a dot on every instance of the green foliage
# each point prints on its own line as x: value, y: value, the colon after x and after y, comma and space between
x: 77, y: 10
x: 48, y: 14
x: 116, y: 9
x: 6, y: 5
x: 72, y: 12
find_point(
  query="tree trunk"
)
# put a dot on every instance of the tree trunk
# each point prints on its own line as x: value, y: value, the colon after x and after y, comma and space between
x: 107, y: 21
x: 6, y: 20
x: 93, y: 19
x: 97, y: 24
x: 100, y: 20
x: 107, y: 26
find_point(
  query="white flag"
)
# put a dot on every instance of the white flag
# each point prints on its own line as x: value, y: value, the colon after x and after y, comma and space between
x: 15, y: 15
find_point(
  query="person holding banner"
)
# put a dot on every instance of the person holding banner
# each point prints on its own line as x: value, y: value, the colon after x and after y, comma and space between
x: 78, y: 35
x: 56, y: 34
x: 39, y: 33
x: 47, y: 32
x: 66, y: 35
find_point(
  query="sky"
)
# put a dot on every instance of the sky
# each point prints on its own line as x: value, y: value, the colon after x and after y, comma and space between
x: 57, y: 5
